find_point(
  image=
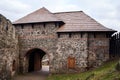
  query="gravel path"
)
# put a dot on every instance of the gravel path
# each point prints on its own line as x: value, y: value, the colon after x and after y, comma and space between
x: 39, y: 75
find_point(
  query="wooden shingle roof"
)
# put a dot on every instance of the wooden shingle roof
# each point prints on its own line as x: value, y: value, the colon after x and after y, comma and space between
x: 41, y: 15
x: 78, y: 21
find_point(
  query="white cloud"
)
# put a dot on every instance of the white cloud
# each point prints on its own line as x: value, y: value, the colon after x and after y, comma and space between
x: 12, y: 9
x: 13, y: 5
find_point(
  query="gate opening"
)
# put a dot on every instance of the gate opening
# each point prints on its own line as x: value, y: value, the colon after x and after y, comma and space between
x: 35, y: 60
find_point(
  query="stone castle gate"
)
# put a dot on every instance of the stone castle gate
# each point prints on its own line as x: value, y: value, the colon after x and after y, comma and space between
x: 73, y: 42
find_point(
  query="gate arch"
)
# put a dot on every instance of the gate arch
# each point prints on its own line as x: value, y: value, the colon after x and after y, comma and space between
x: 34, y: 59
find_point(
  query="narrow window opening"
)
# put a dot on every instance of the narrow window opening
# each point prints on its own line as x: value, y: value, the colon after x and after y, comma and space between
x: 55, y: 24
x: 94, y: 35
x: 44, y: 25
x: 13, y: 65
x: 32, y: 26
x: 7, y: 25
x: 81, y: 35
x: 58, y: 35
x: 22, y: 26
x: 69, y: 35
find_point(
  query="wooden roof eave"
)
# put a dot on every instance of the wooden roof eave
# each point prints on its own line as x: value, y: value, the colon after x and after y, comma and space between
x: 87, y: 31
x: 37, y: 22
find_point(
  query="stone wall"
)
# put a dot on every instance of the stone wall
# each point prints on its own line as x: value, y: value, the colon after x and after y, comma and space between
x: 39, y: 35
x: 8, y: 49
x: 89, y: 50
x: 74, y: 46
x: 98, y: 49
x: 68, y: 52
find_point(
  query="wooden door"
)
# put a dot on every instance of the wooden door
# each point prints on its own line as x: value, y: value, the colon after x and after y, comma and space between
x: 37, y: 61
x: 71, y: 62
x: 31, y: 63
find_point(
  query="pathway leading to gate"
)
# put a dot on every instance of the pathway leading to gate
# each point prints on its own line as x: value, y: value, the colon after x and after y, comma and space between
x: 39, y: 75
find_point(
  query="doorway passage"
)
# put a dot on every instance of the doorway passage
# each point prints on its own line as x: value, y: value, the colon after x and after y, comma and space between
x: 35, y: 57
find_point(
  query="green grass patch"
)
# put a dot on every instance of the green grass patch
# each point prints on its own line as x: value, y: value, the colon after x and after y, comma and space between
x: 105, y: 72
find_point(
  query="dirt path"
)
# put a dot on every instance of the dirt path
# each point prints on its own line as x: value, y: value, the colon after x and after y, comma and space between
x: 40, y: 75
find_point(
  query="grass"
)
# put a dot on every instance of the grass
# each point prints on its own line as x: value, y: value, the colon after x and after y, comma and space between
x: 105, y: 72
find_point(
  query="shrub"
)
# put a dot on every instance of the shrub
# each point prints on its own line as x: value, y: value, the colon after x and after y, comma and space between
x: 118, y: 66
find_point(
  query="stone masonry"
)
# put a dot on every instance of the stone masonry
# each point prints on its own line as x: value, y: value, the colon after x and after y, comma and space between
x: 8, y: 49
x: 38, y: 37
x: 89, y: 52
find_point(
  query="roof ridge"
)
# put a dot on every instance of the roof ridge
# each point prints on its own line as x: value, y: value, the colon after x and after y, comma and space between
x: 33, y: 12
x: 39, y: 15
x: 67, y: 12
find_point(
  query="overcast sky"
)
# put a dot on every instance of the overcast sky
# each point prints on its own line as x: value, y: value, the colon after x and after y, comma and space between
x: 107, y: 12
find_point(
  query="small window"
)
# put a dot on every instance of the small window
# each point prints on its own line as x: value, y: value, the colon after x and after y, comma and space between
x: 32, y: 26
x: 13, y: 65
x: 94, y: 35
x: 22, y: 26
x: 58, y: 35
x: 44, y: 25
x: 69, y: 35
x: 56, y: 24
x: 81, y: 35
x: 6, y: 28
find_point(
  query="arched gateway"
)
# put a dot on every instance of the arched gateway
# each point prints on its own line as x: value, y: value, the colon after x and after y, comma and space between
x: 34, y: 59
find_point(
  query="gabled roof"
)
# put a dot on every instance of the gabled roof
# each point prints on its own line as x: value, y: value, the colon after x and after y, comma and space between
x: 75, y: 21
x: 78, y: 21
x: 41, y: 15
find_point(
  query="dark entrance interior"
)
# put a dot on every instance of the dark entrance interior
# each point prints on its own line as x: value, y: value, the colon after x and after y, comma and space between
x: 34, y: 59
